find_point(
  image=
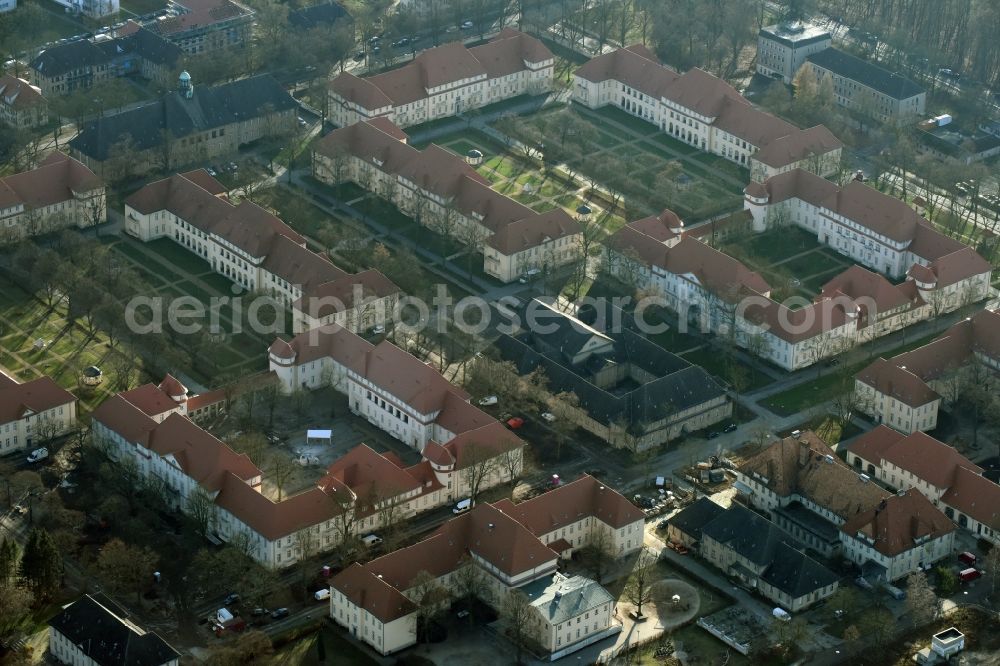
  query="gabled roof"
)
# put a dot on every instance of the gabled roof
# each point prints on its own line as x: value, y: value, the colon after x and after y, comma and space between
x: 507, y: 53
x: 807, y: 467
x: 367, y: 590
x: 54, y: 180
x: 864, y: 72
x: 925, y: 457
x: 18, y: 94
x: 101, y: 629
x: 894, y: 526
x: 210, y: 107
x: 798, y: 145
x: 149, y: 399
x: 975, y: 496
x: 201, y: 456
x: 514, y: 227
x: 571, y: 502
x: 371, y: 476
x: 691, y: 519
x: 35, y: 396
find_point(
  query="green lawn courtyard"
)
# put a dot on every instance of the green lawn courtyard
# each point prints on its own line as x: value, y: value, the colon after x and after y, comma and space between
x: 629, y: 156
x: 68, y: 346
x: 172, y: 272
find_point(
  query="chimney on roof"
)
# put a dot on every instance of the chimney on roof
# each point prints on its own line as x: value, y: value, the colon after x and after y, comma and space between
x: 804, y: 452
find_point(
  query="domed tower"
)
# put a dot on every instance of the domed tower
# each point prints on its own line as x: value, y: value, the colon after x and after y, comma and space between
x: 924, y: 278
x: 441, y: 460
x: 281, y: 360
x: 755, y: 200
x: 184, y: 85
x: 173, y: 388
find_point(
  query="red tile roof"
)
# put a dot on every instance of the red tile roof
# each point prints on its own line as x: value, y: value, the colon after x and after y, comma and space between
x: 201, y: 456
x: 570, y: 503
x: 53, y: 181
x: 895, y: 524
x: 515, y: 227
x: 975, y: 496
x: 927, y: 458
x: 371, y: 476
x: 440, y: 66
x: 798, y: 145
x: 366, y: 590
x: 18, y: 94
x: 150, y: 399
x: 35, y: 396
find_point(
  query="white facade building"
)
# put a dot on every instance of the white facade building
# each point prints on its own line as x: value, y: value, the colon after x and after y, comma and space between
x: 445, y: 81
x: 782, y: 48
x: 696, y: 107
x: 32, y: 413
x: 258, y: 251
x: 440, y: 190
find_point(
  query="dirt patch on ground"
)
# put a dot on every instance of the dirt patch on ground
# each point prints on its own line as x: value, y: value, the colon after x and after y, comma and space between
x: 676, y: 602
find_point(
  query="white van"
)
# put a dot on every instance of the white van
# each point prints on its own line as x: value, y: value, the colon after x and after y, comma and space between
x: 462, y: 506
x: 322, y: 595
x: 371, y: 540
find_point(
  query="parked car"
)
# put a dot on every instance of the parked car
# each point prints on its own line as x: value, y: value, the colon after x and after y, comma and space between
x: 548, y: 416
x: 713, y: 434
x: 358, y: 57
x: 662, y: 525
x: 467, y: 25
x: 967, y: 558
x: 231, y: 598
x: 730, y: 428
x: 462, y: 506
x: 38, y: 455
x: 322, y: 595
x: 258, y: 612
x: 371, y: 540
x: 279, y: 613
x: 970, y: 574
x: 378, y: 329
x: 488, y: 401
x: 515, y: 422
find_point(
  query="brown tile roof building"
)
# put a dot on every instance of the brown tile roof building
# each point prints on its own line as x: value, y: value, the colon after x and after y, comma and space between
x: 925, y: 457
x: 975, y: 496
x: 504, y: 535
x: 569, y: 503
x: 797, y: 146
x: 198, y: 199
x: 907, y: 376
x: 35, y: 396
x: 896, y: 524
x: 514, y: 227
x: 805, y: 466
x: 441, y: 66
x: 57, y: 178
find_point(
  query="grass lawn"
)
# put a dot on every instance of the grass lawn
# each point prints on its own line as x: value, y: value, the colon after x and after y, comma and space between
x: 777, y: 244
x: 24, y: 319
x: 716, y: 365
x: 812, y: 392
x: 615, y: 114
x: 176, y: 254
x: 813, y: 263
x: 673, y: 144
x: 722, y: 164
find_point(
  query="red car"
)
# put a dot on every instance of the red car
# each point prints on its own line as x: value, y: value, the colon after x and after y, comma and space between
x: 515, y: 422
x: 967, y: 559
x: 969, y: 574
